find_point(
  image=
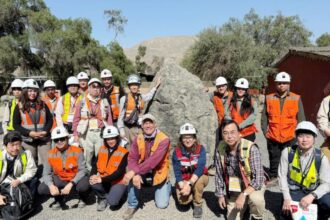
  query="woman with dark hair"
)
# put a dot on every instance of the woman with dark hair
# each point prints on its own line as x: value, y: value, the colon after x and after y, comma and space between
x: 34, y: 121
x: 243, y: 110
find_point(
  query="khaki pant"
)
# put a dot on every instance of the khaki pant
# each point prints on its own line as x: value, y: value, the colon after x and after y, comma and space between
x: 39, y: 151
x: 197, y: 192
x: 256, y: 202
x: 91, y: 143
x: 326, y: 148
x: 131, y: 133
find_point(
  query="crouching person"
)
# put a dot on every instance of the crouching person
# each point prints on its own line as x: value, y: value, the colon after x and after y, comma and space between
x: 189, y: 160
x: 107, y: 175
x: 64, y: 171
x: 239, y: 180
x: 148, y: 165
x: 304, y: 173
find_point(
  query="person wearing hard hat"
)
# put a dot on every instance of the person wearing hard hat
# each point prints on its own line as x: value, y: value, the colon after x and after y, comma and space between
x: 67, y: 104
x: 7, y: 120
x: 112, y: 93
x: 282, y: 112
x: 50, y: 98
x: 239, y: 179
x: 33, y: 119
x: 131, y: 106
x: 92, y: 114
x: 107, y: 176
x: 64, y: 171
x: 83, y: 83
x: 148, y: 165
x: 243, y: 110
x: 303, y: 173
x: 189, y: 165
x: 323, y: 121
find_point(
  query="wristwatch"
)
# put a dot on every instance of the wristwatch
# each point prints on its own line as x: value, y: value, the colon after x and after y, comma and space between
x: 314, y: 194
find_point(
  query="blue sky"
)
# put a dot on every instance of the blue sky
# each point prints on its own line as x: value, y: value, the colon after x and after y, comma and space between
x: 148, y: 19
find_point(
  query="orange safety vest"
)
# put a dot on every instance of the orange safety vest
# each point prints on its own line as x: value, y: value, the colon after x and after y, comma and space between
x: 282, y: 124
x: 106, y: 166
x: 114, y: 97
x: 29, y: 121
x: 219, y: 106
x: 130, y: 106
x: 52, y: 107
x: 238, y: 118
x: 70, y: 169
x: 161, y: 172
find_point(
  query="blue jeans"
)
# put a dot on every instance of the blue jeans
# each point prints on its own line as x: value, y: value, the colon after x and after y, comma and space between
x: 162, y: 195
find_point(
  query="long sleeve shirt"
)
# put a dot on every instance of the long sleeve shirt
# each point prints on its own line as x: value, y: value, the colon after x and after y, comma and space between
x: 59, y: 111
x: 323, y: 115
x: 257, y: 172
x: 177, y: 165
x: 122, y: 109
x: 150, y: 161
x: 283, y: 170
x: 264, y: 115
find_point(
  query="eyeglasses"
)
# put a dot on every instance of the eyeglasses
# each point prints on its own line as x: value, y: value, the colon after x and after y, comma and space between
x: 187, y: 137
x: 96, y: 87
x: 59, y: 139
x: 231, y: 133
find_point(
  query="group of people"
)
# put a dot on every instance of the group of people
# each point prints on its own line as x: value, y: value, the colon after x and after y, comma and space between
x: 96, y: 138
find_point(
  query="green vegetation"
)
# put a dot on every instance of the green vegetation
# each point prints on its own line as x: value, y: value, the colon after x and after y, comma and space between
x: 323, y: 40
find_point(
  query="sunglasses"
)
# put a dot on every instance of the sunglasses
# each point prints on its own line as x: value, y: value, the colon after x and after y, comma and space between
x: 59, y: 139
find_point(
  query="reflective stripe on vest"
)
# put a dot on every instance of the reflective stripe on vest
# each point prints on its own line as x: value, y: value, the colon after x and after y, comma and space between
x: 130, y: 106
x: 65, y: 170
x: 66, y: 102
x: 106, y: 166
x: 34, y: 119
x: 23, y: 160
x: 310, y: 180
x: 161, y: 172
x: 10, y: 126
x: 282, y: 124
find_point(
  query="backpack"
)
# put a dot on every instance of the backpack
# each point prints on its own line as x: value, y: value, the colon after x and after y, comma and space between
x: 19, y: 201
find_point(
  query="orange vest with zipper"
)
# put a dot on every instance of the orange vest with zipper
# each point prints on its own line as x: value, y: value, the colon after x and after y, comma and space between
x: 27, y: 122
x: 238, y: 118
x: 106, y: 166
x: 282, y: 124
x: 161, y: 172
x: 65, y: 171
x: 131, y: 104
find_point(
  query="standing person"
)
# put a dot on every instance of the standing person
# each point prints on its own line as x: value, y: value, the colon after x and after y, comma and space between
x: 112, y: 93
x: 243, y: 110
x: 189, y: 165
x: 107, y: 176
x: 239, y: 180
x: 304, y: 173
x: 148, y: 165
x: 131, y: 106
x: 323, y: 120
x: 7, y: 120
x: 50, y: 98
x: 92, y: 114
x: 65, y: 171
x: 281, y: 114
x: 67, y: 104
x: 33, y: 120
x: 83, y: 83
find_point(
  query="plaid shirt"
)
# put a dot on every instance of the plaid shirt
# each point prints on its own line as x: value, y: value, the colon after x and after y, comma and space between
x: 257, y: 172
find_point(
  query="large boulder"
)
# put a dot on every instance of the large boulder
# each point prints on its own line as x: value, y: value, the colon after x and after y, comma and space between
x: 180, y: 99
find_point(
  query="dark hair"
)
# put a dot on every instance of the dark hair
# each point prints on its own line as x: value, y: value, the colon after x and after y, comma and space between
x: 27, y: 104
x: 12, y: 136
x: 246, y: 106
x: 226, y: 122
x: 304, y: 131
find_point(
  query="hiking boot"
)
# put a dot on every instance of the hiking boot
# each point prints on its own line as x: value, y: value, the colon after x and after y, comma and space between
x: 102, y: 205
x: 81, y: 204
x: 198, y: 212
x: 129, y: 213
x: 56, y: 206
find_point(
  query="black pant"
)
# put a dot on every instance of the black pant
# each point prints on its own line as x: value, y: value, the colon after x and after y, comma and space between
x: 274, y: 152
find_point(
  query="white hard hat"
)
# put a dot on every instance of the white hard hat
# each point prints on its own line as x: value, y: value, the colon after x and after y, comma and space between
x: 30, y: 83
x: 133, y: 78
x: 221, y: 81
x: 106, y: 74
x: 17, y: 83
x: 59, y: 132
x: 307, y: 125
x: 283, y: 77
x: 72, y: 80
x: 82, y: 75
x: 49, y: 83
x: 187, y: 128
x: 242, y: 83
x: 94, y: 80
x: 110, y: 132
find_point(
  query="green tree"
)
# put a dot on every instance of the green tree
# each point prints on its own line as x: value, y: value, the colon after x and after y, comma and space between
x: 323, y: 40
x: 116, y: 21
x: 140, y: 65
